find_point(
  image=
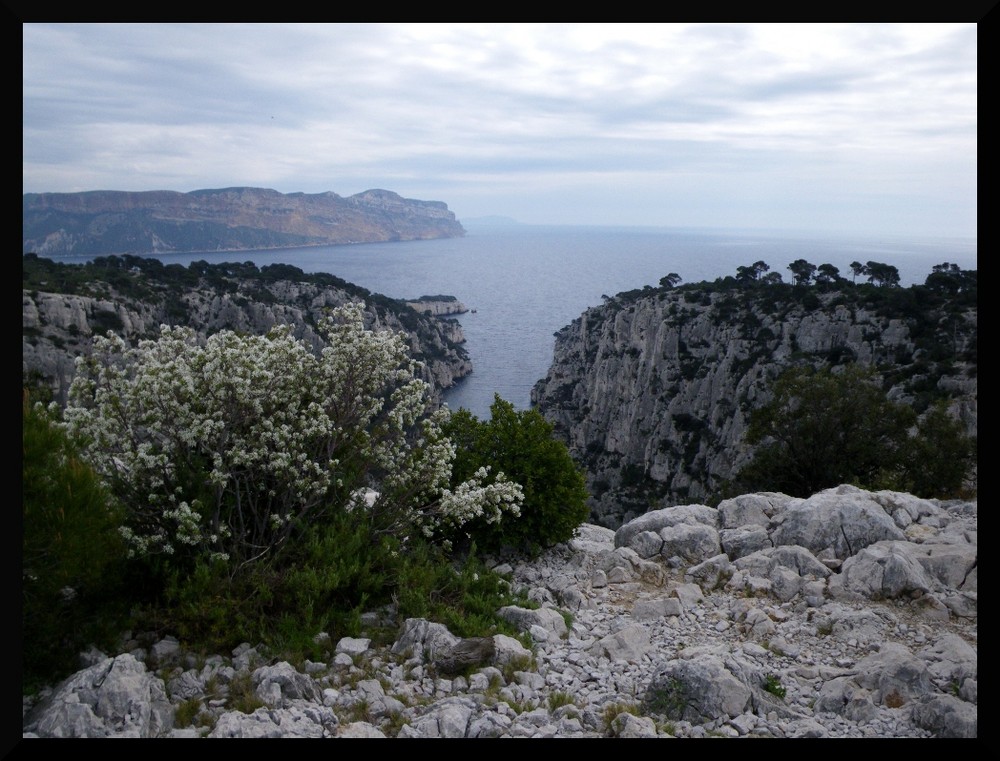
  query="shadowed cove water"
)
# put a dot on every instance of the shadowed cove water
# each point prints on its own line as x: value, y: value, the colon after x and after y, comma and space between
x: 525, y: 282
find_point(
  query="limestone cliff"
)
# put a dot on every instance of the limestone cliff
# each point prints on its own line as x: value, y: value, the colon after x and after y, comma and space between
x: 653, y: 389
x: 63, y: 306
x: 229, y: 219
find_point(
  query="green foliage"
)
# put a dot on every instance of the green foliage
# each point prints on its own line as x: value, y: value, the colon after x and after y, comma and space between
x: 882, y: 275
x: 951, y: 279
x: 568, y: 618
x: 521, y: 706
x: 751, y: 273
x: 187, y: 712
x: 558, y: 699
x: 633, y: 475
x: 772, y: 684
x: 827, y: 427
x: 822, y: 429
x: 395, y: 724
x: 204, y: 608
x: 102, y: 321
x: 34, y: 383
x: 939, y: 458
x: 338, y: 570
x: 827, y: 273
x: 463, y: 594
x: 670, y: 280
x: 242, y: 696
x: 518, y: 663
x: 670, y: 699
x: 72, y: 556
x: 802, y: 271
x: 614, y: 710
x: 522, y: 447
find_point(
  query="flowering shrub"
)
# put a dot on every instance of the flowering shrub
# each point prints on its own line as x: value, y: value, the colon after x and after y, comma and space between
x: 223, y: 448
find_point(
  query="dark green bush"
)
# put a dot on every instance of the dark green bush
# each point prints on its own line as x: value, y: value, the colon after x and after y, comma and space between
x: 462, y: 594
x: 103, y: 321
x: 72, y: 562
x: 939, y: 459
x: 335, y: 572
x: 521, y: 445
x: 824, y: 428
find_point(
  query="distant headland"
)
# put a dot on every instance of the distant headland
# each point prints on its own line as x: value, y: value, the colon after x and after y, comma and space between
x: 103, y: 222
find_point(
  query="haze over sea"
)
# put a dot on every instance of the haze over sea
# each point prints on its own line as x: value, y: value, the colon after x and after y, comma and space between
x: 527, y: 281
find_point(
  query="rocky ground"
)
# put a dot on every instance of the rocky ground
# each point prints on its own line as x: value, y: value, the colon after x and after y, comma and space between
x: 661, y: 629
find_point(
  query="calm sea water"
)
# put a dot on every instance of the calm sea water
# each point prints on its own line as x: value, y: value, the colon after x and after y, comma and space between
x: 526, y: 282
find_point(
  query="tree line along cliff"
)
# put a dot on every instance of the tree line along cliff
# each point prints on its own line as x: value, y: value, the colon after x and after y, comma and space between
x: 653, y: 389
x: 64, y: 305
x: 228, y: 219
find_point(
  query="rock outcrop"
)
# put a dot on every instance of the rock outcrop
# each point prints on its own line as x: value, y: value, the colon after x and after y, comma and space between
x: 652, y: 390
x: 438, y: 306
x: 136, y: 296
x: 231, y: 219
x: 785, y: 642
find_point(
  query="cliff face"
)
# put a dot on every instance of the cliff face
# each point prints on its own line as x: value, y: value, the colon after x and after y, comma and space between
x: 58, y: 326
x: 652, y: 391
x: 230, y: 219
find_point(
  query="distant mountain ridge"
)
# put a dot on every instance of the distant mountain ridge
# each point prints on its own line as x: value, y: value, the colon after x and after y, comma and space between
x: 101, y: 222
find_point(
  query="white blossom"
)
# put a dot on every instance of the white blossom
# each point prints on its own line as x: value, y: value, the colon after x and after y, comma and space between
x: 224, y: 445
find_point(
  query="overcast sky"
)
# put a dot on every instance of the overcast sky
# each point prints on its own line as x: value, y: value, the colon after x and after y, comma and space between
x: 857, y: 128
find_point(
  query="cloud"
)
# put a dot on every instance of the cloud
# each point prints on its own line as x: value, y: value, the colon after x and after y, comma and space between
x: 885, y: 114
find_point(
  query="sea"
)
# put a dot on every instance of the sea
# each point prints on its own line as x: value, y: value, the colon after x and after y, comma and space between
x: 523, y: 283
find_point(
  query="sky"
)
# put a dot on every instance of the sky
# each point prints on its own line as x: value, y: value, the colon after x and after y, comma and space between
x: 851, y: 128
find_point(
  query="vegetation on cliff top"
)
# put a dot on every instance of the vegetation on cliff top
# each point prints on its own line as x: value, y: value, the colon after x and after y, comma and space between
x: 921, y: 341
x: 148, y: 280
x: 946, y: 285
